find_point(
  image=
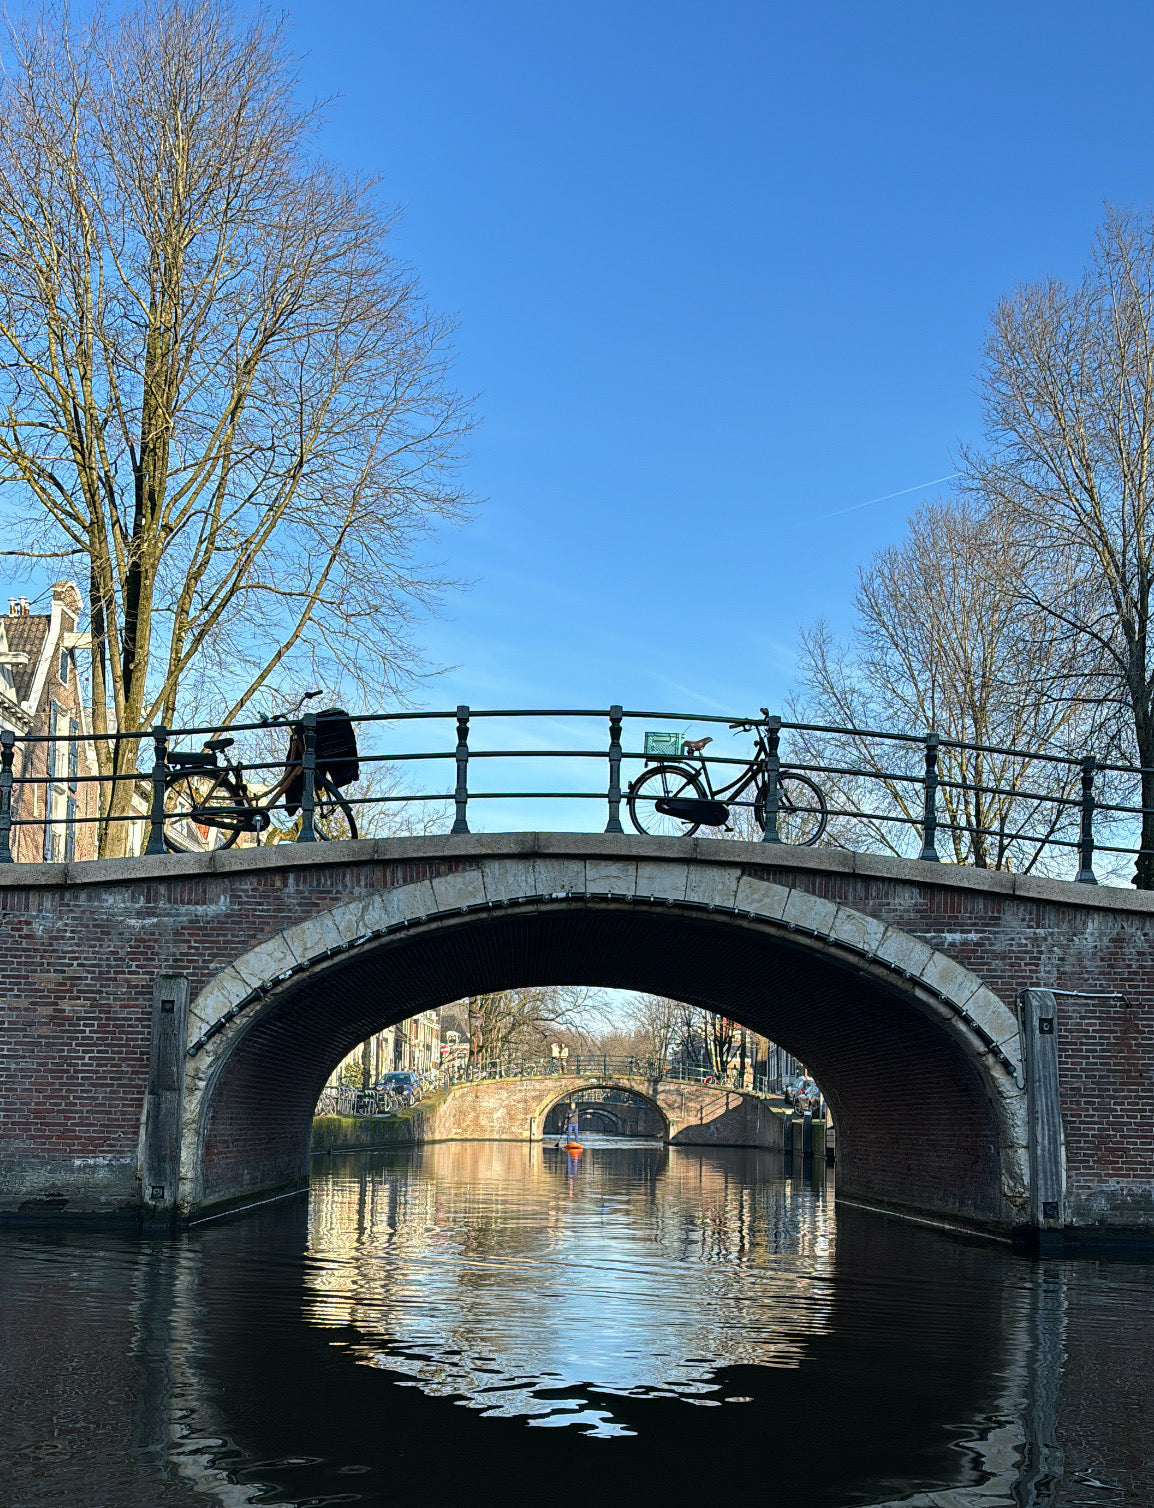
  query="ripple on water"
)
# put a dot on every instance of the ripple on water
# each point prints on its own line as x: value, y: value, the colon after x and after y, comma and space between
x: 456, y: 1326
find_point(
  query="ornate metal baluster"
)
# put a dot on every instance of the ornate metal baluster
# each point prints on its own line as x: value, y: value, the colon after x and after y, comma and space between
x: 772, y: 780
x: 7, y: 754
x: 308, y: 832
x: 155, y: 843
x: 1086, y: 875
x: 461, y: 796
x: 930, y: 810
x: 614, y: 823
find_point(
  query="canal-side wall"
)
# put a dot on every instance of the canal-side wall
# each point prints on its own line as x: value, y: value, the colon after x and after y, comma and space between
x: 366, y: 1133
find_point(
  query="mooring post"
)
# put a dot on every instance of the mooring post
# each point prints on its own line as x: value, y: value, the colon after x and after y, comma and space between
x: 771, y: 791
x: 1086, y: 875
x: 7, y: 755
x: 159, y: 783
x: 930, y: 809
x: 1038, y: 1016
x: 308, y: 832
x: 614, y: 823
x: 461, y: 795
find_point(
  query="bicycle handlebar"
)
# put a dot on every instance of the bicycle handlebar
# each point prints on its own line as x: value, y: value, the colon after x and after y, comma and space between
x: 281, y: 719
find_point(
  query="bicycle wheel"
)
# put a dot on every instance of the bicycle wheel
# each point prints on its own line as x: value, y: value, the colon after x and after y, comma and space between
x: 802, y: 812
x: 333, y: 816
x: 212, y: 801
x: 663, y: 782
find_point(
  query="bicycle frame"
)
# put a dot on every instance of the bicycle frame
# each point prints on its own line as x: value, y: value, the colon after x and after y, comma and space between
x: 732, y: 792
x: 245, y: 816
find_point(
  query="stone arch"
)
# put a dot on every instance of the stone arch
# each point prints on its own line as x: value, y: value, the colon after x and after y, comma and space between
x: 604, y: 1081
x: 917, y: 1055
x: 598, y: 1119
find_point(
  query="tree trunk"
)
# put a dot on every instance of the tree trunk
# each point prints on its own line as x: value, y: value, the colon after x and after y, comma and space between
x: 1144, y: 866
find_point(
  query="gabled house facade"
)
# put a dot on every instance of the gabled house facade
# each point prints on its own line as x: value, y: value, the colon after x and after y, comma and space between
x: 55, y: 800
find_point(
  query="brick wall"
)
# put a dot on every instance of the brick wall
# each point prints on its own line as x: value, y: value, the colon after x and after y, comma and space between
x: 1105, y: 1046
x: 78, y: 968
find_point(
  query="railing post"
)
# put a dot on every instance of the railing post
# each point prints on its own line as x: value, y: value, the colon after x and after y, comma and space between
x: 614, y: 823
x: 308, y: 832
x: 1086, y: 875
x: 930, y: 811
x: 461, y: 796
x: 772, y: 780
x: 7, y: 755
x: 159, y: 781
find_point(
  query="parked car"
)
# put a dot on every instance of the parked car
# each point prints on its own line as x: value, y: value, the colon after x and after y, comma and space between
x: 402, y: 1082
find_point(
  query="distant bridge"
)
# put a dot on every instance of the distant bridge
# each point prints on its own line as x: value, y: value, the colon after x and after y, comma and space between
x: 689, y: 1114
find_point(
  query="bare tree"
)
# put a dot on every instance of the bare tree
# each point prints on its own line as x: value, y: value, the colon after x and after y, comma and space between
x: 654, y: 1023
x: 221, y: 393
x: 523, y: 1021
x: 1068, y: 390
x: 943, y: 642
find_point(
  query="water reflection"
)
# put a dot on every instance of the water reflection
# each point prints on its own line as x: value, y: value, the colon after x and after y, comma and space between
x: 451, y: 1327
x: 502, y: 1274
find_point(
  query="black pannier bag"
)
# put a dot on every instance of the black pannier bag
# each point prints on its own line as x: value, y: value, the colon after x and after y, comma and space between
x: 337, y: 756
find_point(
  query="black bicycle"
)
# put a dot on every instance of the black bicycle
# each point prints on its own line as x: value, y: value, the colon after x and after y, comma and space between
x: 674, y: 800
x: 215, y: 795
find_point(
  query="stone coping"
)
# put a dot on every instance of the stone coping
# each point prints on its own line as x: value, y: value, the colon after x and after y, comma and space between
x: 463, y: 847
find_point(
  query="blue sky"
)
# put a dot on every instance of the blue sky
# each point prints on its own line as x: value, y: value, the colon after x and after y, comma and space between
x: 721, y: 273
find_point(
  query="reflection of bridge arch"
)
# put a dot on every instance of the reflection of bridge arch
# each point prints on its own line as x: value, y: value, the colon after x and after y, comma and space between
x: 880, y: 1017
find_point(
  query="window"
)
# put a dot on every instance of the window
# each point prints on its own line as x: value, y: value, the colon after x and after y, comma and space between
x: 61, y: 808
x: 70, y: 832
x: 65, y: 657
x: 56, y: 751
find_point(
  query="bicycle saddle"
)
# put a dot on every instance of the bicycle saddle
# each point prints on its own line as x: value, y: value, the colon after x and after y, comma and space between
x: 217, y: 745
x: 695, y: 745
x: 189, y: 759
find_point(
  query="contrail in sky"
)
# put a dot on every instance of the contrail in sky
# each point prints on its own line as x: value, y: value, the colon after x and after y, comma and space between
x: 903, y: 493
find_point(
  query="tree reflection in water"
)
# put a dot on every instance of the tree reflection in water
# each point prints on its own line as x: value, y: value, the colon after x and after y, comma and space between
x: 501, y: 1274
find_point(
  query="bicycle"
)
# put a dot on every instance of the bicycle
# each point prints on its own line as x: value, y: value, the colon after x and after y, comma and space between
x: 218, y: 796
x: 675, y: 800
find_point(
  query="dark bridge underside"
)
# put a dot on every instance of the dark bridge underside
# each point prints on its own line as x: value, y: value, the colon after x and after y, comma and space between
x: 916, y: 1128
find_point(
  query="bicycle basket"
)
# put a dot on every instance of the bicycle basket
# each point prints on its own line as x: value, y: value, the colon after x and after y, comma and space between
x: 664, y: 745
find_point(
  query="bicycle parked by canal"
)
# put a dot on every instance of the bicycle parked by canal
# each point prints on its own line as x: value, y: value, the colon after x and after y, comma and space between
x: 213, y: 793
x: 674, y: 798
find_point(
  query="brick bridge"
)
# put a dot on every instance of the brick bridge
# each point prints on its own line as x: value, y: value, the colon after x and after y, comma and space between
x: 168, y: 1022
x: 687, y: 1114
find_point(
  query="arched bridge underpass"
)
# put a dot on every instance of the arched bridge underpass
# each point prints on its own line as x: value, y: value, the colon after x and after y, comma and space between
x: 169, y: 1022
x: 617, y: 1111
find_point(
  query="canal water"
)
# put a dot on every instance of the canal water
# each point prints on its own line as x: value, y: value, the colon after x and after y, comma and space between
x: 490, y: 1323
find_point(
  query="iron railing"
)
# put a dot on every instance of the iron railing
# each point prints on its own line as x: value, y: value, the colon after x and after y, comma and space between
x: 874, y: 785
x: 343, y: 1099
